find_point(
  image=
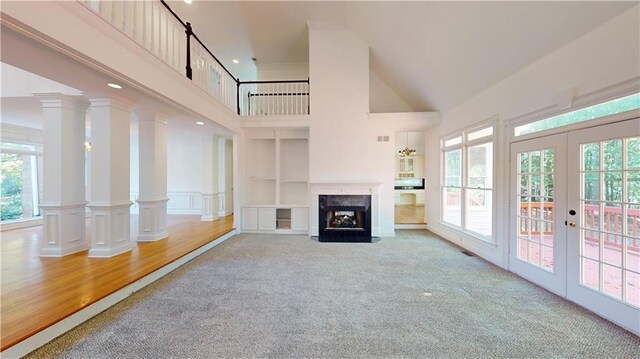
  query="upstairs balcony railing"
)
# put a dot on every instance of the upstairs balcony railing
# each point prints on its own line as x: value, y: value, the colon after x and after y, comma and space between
x: 274, y: 98
x: 157, y: 28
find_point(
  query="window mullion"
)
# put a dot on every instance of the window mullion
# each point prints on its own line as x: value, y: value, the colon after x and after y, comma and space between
x: 463, y: 183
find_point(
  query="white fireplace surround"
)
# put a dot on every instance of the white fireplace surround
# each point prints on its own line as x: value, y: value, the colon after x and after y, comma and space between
x: 344, y: 188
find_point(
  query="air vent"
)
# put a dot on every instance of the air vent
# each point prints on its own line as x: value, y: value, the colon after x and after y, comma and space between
x: 468, y: 254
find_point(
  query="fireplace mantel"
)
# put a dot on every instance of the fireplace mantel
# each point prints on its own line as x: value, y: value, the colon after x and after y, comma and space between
x: 344, y: 187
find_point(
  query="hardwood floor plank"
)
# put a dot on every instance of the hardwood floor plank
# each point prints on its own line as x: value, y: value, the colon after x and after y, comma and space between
x: 39, y: 292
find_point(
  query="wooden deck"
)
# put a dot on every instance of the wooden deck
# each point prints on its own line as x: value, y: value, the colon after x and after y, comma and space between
x: 39, y: 292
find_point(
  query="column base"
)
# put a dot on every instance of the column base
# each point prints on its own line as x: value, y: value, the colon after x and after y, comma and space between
x: 152, y: 220
x: 110, y: 229
x: 64, y: 229
x: 221, y: 204
x: 208, y: 207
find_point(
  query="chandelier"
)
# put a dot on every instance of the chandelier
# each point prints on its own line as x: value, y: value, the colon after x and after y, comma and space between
x: 407, y: 152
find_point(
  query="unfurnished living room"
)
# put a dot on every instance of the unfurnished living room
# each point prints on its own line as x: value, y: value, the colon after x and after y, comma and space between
x: 319, y: 179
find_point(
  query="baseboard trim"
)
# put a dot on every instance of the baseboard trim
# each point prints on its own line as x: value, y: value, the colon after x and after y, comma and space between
x: 411, y: 226
x: 45, y: 336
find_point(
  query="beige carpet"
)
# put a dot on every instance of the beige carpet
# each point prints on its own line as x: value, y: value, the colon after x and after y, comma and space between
x: 274, y: 296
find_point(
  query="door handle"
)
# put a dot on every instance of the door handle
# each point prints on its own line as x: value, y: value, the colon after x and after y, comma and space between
x: 572, y: 224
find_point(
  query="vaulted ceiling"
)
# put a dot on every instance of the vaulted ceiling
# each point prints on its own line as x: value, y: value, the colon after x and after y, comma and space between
x: 435, y: 55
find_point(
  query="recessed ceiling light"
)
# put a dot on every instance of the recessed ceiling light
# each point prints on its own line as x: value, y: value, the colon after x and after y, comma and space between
x: 235, y: 61
x: 188, y: 1
x: 114, y: 86
x: 200, y: 123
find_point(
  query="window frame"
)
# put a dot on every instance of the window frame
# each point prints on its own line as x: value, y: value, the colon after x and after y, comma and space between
x: 463, y: 147
x: 611, y: 93
x: 32, y: 154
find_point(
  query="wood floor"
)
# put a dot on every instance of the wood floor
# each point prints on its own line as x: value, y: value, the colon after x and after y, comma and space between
x: 409, y: 214
x: 39, y: 292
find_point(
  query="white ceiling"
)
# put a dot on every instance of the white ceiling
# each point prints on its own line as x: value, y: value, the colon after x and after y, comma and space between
x: 435, y: 55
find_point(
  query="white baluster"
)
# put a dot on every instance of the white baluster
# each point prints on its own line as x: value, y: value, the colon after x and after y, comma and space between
x: 124, y: 17
x: 135, y: 20
x: 144, y: 24
x: 166, y: 36
x: 112, y: 12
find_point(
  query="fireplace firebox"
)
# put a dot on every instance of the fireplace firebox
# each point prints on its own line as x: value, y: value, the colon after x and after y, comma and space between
x: 344, y: 218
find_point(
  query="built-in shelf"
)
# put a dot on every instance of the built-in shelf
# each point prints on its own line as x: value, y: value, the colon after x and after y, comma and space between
x: 283, y: 218
x: 277, y: 181
x: 278, y: 167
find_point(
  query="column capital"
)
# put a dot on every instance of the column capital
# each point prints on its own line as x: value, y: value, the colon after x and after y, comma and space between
x: 59, y: 100
x: 100, y: 100
x: 150, y: 115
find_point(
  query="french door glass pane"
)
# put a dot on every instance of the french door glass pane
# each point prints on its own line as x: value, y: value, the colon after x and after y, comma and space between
x: 632, y: 285
x: 535, y: 212
x: 610, y: 190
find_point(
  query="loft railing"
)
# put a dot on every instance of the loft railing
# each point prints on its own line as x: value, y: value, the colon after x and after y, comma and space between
x: 274, y: 98
x: 157, y: 28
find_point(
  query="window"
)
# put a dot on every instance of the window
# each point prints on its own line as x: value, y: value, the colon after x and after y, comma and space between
x: 467, y: 185
x: 21, y: 181
x: 619, y: 105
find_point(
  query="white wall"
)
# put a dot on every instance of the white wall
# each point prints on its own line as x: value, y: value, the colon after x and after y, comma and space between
x: 184, y: 168
x: 184, y: 161
x: 343, y: 144
x: 343, y: 135
x: 341, y: 140
x: 608, y: 55
x: 384, y: 99
x: 282, y: 71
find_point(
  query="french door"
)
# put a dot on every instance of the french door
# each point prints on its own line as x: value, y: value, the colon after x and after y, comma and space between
x: 603, y: 234
x: 575, y: 208
x: 538, y: 203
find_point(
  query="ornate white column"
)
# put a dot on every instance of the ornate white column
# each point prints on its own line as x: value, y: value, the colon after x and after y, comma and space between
x: 152, y: 149
x: 209, y: 204
x: 110, y: 203
x: 63, y: 200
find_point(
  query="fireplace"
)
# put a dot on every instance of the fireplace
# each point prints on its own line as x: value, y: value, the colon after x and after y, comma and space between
x: 344, y: 218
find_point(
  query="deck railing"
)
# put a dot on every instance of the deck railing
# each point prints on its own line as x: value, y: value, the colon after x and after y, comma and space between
x: 612, y: 223
x: 157, y: 28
